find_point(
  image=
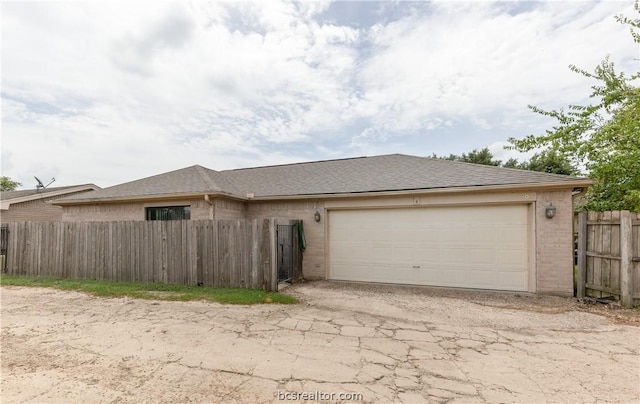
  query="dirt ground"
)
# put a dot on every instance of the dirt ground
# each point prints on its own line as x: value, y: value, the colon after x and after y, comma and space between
x: 343, y: 342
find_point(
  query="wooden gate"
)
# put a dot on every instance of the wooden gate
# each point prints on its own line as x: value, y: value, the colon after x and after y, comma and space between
x: 4, y: 244
x: 290, y: 240
x: 609, y: 256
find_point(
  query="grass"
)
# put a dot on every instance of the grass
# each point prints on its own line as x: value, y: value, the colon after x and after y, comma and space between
x: 156, y: 291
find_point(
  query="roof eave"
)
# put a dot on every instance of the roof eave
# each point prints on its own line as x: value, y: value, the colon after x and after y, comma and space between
x: 582, y: 183
x: 147, y: 198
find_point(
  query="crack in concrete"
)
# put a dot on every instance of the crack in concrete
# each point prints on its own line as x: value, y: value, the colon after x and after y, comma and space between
x: 371, y: 348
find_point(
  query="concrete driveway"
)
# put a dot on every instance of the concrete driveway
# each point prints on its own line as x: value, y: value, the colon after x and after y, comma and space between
x: 349, y: 343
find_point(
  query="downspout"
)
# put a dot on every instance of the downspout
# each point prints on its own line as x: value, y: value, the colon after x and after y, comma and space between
x: 212, y: 207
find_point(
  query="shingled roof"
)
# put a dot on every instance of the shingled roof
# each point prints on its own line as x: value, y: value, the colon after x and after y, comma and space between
x: 387, y: 173
x: 7, y: 198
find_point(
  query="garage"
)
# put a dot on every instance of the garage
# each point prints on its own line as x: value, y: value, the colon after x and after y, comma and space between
x: 480, y: 247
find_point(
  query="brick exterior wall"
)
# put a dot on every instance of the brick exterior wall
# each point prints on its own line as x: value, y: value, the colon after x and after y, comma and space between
x: 226, y: 209
x: 554, y: 244
x: 200, y: 210
x: 38, y: 210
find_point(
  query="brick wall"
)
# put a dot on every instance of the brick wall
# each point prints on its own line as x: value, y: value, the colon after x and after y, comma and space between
x: 31, y: 211
x: 200, y: 210
x: 38, y: 210
x: 226, y: 209
x: 554, y: 244
x: 313, y: 263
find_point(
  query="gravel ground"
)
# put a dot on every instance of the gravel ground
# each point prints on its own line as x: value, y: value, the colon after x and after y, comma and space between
x: 373, y: 343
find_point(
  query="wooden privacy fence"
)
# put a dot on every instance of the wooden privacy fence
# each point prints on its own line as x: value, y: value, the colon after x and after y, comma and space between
x: 609, y: 256
x: 222, y: 253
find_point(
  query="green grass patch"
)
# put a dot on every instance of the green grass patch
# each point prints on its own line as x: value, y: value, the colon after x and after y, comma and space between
x: 157, y: 291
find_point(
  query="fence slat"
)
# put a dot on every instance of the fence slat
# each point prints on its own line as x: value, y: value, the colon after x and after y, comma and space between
x: 226, y: 253
x: 626, y: 256
x: 607, y: 245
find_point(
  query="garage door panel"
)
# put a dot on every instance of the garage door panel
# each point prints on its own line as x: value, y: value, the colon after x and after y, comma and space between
x: 512, y: 280
x: 364, y: 255
x: 482, y: 256
x: 516, y: 258
x: 428, y: 255
x: 472, y: 246
x: 511, y: 235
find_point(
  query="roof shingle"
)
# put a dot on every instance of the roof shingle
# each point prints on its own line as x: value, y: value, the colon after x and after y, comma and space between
x: 8, y: 195
x: 393, y: 172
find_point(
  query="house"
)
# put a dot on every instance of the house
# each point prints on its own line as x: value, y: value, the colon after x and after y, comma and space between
x: 35, y: 204
x: 391, y: 218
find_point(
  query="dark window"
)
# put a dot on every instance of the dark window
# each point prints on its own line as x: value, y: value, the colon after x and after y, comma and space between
x: 169, y: 213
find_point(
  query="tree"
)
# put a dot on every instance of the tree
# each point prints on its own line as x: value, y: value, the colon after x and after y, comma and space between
x: 603, y: 136
x: 476, y: 156
x: 7, y: 184
x: 513, y: 163
x: 548, y: 161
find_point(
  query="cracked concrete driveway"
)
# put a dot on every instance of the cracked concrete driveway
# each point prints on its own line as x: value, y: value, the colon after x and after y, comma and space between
x: 391, y: 344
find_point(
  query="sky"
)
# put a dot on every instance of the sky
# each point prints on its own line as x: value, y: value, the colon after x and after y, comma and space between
x: 107, y: 92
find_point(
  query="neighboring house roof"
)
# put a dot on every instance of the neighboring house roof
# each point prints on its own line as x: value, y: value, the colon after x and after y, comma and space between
x: 388, y: 173
x: 8, y: 198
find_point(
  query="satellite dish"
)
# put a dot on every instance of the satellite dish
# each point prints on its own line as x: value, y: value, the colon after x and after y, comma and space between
x: 40, y: 185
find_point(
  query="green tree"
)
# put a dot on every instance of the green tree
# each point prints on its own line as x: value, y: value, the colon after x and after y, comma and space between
x: 7, y: 184
x: 476, y: 156
x: 513, y: 163
x: 482, y: 156
x: 549, y: 161
x: 603, y: 136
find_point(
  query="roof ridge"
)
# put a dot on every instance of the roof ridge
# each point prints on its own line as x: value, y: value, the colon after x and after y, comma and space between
x: 204, y: 172
x: 307, y: 162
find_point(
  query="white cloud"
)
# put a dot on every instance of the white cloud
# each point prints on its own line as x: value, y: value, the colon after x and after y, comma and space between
x: 108, y: 91
x: 473, y: 61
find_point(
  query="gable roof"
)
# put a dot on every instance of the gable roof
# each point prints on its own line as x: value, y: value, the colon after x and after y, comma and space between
x: 7, y: 198
x: 387, y: 173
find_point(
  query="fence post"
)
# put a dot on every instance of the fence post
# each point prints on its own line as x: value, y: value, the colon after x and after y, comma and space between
x: 626, y: 263
x: 582, y: 255
x: 272, y: 285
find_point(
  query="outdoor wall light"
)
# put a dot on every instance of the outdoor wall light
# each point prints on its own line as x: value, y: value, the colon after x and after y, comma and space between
x: 550, y: 211
x: 316, y: 217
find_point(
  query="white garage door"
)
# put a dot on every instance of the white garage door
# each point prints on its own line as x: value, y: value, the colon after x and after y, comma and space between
x: 483, y: 247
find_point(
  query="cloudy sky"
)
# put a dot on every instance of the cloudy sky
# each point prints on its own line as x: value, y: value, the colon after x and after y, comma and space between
x: 107, y: 92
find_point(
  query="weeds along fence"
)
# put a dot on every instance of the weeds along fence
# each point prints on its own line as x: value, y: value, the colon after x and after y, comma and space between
x: 609, y: 256
x: 221, y: 253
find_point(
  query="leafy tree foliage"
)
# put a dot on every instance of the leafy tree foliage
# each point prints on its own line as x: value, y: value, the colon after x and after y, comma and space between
x: 476, y: 156
x: 7, y: 184
x: 548, y: 161
x: 603, y: 136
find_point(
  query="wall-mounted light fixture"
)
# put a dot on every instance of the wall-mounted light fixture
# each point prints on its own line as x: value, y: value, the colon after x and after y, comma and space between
x: 550, y: 211
x: 316, y: 216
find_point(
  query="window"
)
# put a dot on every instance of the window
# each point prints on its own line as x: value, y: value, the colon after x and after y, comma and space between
x: 169, y: 213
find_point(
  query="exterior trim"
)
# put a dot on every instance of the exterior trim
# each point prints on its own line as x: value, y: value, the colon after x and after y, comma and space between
x: 146, y: 198
x: 369, y: 194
